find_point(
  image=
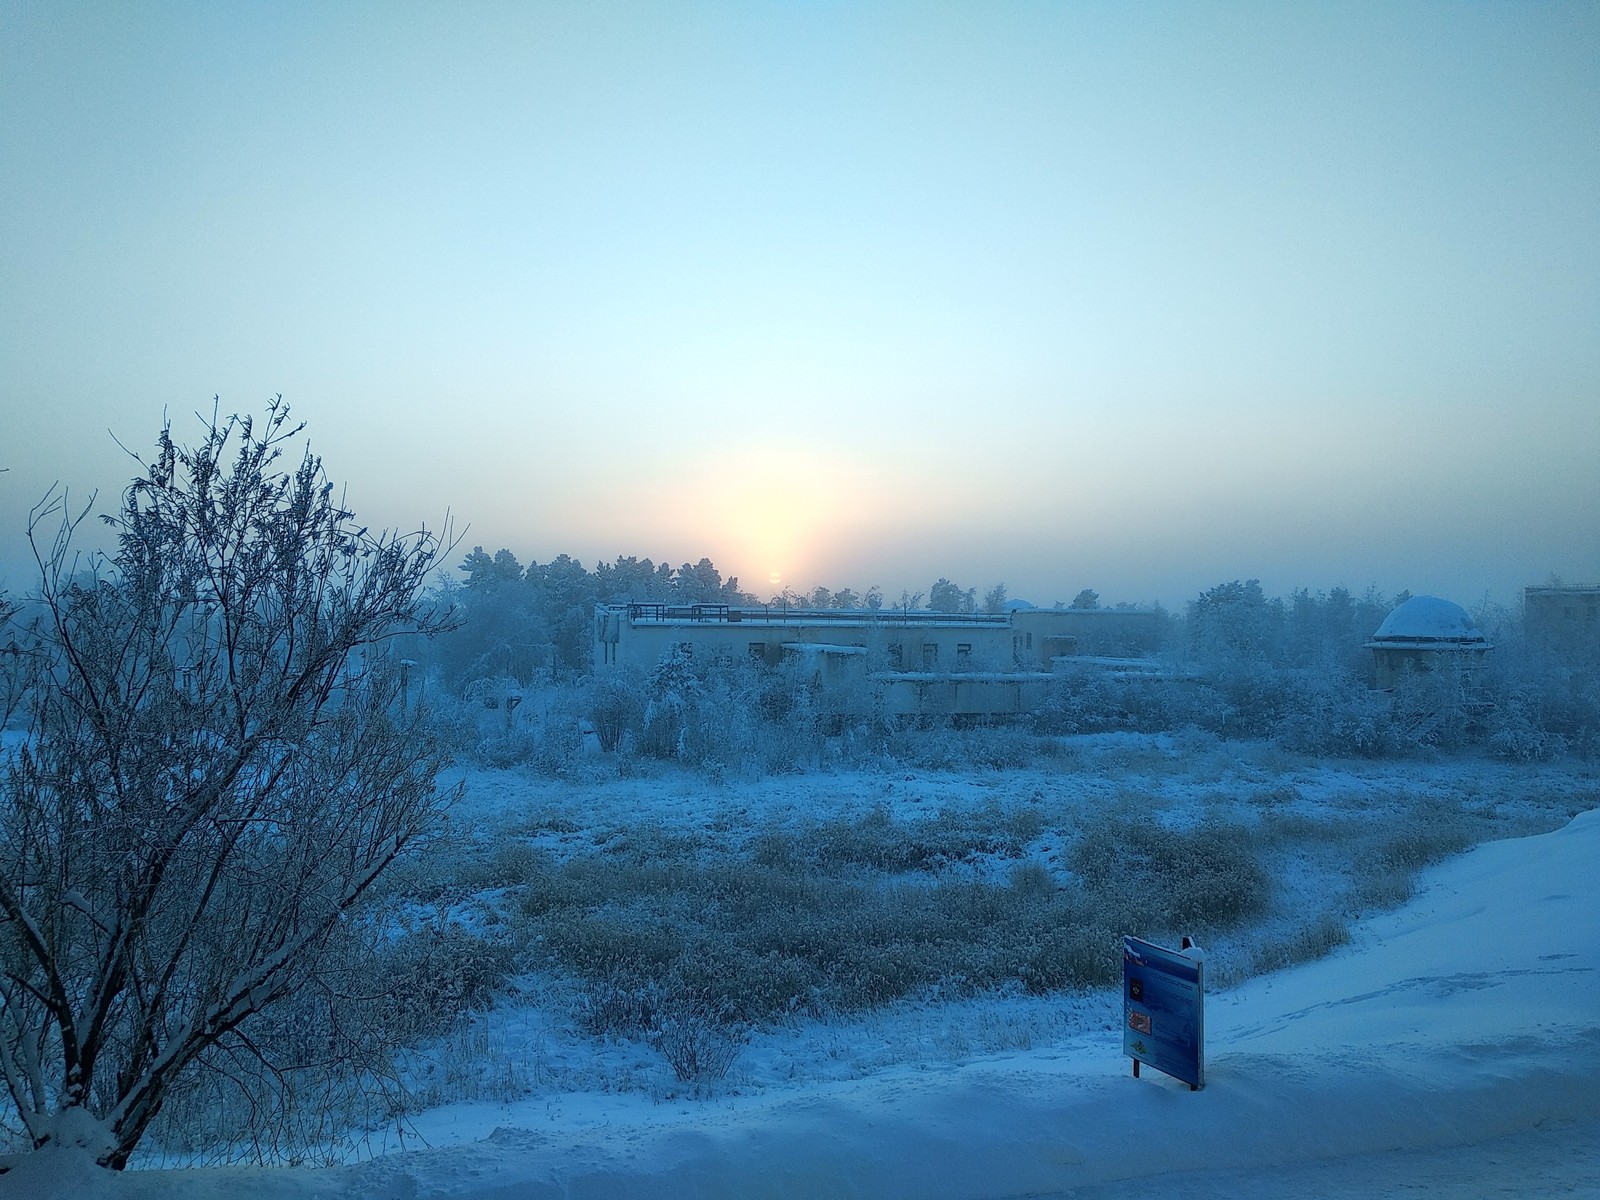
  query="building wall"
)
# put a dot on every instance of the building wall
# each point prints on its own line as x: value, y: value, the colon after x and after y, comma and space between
x: 978, y: 694
x: 944, y: 647
x: 1390, y: 664
x: 1562, y: 619
x: 1025, y: 640
x: 1113, y: 632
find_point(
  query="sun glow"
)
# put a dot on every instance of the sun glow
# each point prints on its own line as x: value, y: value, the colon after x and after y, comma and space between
x: 771, y: 515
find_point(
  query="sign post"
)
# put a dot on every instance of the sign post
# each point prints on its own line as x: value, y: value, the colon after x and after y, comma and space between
x: 1163, y: 1010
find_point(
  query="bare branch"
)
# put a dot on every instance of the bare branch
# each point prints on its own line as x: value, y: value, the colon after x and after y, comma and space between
x: 215, y: 770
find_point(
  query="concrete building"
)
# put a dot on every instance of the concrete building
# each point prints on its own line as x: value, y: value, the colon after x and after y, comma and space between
x: 1424, y: 634
x: 918, y: 661
x: 1562, y: 620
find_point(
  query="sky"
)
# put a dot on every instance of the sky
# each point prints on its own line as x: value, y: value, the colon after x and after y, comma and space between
x: 1137, y: 297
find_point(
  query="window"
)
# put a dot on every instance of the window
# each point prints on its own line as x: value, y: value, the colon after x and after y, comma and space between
x: 930, y: 654
x: 758, y: 651
x: 963, y: 651
x: 896, y: 656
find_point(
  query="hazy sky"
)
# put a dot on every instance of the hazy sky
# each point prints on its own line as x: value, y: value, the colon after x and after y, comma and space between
x: 1134, y: 297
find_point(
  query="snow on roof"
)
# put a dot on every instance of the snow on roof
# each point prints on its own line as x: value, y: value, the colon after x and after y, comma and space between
x: 1428, y: 619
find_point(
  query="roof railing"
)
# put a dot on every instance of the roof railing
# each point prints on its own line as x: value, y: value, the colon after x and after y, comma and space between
x: 777, y: 613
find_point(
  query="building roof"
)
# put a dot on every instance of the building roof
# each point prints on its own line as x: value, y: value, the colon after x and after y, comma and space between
x: 1428, y: 621
x: 1561, y: 589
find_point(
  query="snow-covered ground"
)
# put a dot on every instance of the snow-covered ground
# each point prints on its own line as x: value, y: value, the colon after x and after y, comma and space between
x: 1453, y: 1048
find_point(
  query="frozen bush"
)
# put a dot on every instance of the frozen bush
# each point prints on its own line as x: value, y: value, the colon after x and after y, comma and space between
x: 1256, y: 698
x: 1519, y: 738
x: 1081, y: 701
x: 504, y: 864
x: 1307, y: 943
x: 1171, y: 880
x: 697, y: 1037
x: 431, y: 978
x: 614, y: 1004
x: 1432, y: 830
x: 1328, y: 714
x: 506, y: 749
x: 616, y: 705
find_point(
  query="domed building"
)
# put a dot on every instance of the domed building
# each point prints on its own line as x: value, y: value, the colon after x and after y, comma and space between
x: 1423, y: 634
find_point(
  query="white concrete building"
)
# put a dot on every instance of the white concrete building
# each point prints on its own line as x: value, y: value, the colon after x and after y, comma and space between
x: 919, y: 661
x: 1563, y: 620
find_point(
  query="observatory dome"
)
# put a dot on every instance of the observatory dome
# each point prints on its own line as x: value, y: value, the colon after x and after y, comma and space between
x: 1428, y: 620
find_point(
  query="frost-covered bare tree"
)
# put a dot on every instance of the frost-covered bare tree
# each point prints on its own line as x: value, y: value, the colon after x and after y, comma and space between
x: 217, y: 766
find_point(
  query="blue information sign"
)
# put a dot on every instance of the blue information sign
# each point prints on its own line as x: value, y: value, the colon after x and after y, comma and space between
x: 1163, y: 1010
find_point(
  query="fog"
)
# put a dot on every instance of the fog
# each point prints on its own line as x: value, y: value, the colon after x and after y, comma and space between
x: 1148, y: 362
x: 1064, y: 298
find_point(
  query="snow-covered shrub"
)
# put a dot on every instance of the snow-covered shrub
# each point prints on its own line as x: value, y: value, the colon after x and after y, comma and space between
x: 505, y: 863
x: 1255, y: 695
x: 557, y: 724
x: 672, y: 690
x: 1306, y: 943
x: 451, y: 719
x: 614, y: 1004
x: 732, y: 729
x: 731, y: 718
x: 432, y: 977
x: 697, y: 1036
x: 1081, y: 702
x: 616, y: 705
x: 1575, y: 713
x: 876, y: 838
x: 543, y: 731
x: 508, y: 749
x: 1001, y: 746
x: 1519, y: 738
x: 1032, y: 880
x: 806, y: 920
x: 1430, y: 831
x: 1435, y: 709
x: 1171, y: 880
x: 1091, y: 702
x: 1332, y: 714
x: 1061, y: 948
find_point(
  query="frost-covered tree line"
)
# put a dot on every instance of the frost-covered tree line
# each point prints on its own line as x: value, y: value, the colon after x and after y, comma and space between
x: 521, y: 622
x: 1298, y: 670
x: 528, y: 623
x: 1235, y: 662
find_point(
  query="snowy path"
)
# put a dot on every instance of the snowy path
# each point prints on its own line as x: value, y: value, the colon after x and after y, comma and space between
x: 1453, y: 1049
x: 1559, y: 1159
